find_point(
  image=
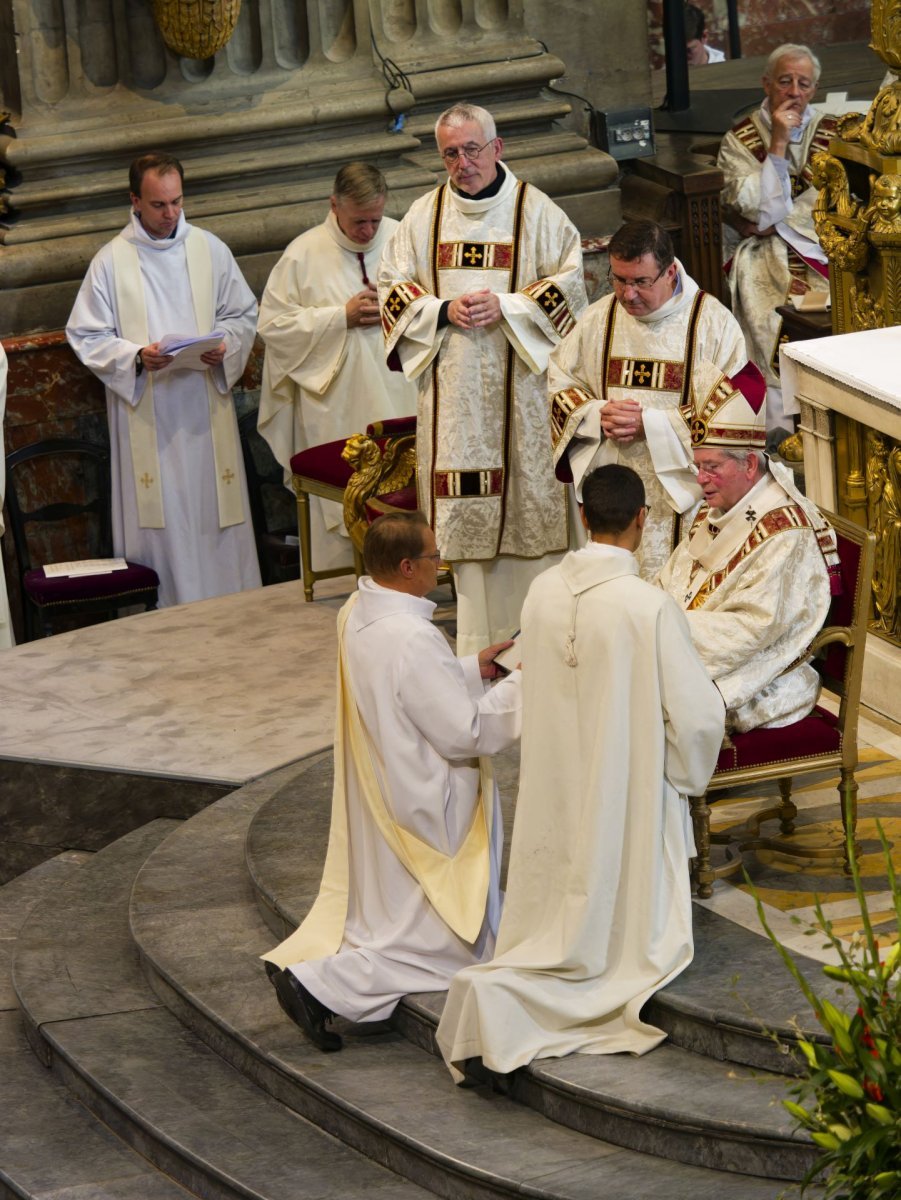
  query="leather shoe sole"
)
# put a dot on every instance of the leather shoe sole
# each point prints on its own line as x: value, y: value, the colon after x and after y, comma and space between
x: 304, y: 1009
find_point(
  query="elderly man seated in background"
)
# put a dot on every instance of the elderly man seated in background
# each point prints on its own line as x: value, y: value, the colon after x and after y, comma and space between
x: 768, y: 198
x: 753, y: 573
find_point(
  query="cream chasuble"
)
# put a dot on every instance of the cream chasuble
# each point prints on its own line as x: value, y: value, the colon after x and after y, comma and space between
x: 756, y: 589
x: 179, y: 495
x: 409, y: 892
x: 764, y: 271
x: 321, y: 380
x: 484, y: 473
x: 620, y: 721
x: 613, y: 355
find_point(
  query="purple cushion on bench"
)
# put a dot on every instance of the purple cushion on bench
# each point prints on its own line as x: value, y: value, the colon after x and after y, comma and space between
x: 815, y: 734
x: 65, y: 590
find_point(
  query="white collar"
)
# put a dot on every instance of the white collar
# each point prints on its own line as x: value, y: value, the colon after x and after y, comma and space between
x: 135, y: 232
x: 469, y: 206
x: 341, y: 238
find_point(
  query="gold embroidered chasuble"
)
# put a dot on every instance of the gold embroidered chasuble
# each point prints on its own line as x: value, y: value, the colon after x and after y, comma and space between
x: 755, y: 586
x: 484, y: 472
x: 613, y: 355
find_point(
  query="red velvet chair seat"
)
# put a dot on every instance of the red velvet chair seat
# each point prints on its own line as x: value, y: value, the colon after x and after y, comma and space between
x: 405, y: 499
x: 103, y: 586
x: 814, y: 735
x: 324, y: 464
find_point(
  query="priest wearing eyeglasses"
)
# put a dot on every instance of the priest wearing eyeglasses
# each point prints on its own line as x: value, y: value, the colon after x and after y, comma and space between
x: 325, y: 375
x: 481, y: 280
x: 621, y: 384
x: 756, y: 570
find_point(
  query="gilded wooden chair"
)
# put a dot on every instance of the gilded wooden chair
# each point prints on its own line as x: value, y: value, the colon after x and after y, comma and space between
x: 821, y: 741
x: 370, y: 467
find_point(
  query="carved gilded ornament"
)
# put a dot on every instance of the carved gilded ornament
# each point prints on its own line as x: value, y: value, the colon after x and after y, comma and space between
x: 375, y: 474
x: 883, y: 485
x: 839, y: 222
x: 866, y: 311
x: 196, y: 28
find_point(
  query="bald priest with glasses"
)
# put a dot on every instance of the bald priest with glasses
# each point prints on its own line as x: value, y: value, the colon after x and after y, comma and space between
x: 621, y: 383
x: 479, y: 283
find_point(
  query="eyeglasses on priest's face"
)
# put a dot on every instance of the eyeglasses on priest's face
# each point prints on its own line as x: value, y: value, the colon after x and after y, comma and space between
x: 436, y: 558
x: 470, y: 151
x: 643, y: 284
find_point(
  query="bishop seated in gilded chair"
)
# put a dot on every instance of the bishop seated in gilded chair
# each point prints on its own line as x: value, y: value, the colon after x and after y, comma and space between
x: 757, y: 568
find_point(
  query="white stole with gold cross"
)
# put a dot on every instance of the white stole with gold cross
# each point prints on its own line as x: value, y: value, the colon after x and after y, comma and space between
x: 132, y: 312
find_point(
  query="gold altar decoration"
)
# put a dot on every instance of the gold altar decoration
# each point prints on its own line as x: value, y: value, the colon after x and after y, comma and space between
x: 858, y: 221
x: 196, y: 28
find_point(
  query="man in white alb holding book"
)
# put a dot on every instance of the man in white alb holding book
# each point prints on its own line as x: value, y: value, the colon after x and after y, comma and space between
x: 179, y: 495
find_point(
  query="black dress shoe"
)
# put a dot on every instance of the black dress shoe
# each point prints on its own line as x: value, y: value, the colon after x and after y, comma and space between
x: 304, y: 1009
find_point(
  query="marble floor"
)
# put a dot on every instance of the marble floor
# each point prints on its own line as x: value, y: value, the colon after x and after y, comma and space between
x: 221, y: 690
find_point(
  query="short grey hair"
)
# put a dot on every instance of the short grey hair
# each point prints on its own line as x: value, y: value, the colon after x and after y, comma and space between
x: 740, y: 455
x: 791, y: 50
x: 461, y: 114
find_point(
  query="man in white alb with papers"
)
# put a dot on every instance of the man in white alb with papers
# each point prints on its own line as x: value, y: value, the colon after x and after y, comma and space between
x: 325, y: 374
x: 410, y: 888
x: 179, y: 494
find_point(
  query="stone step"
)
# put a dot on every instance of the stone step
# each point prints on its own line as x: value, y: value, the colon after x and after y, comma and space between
x: 90, y: 1015
x: 194, y: 920
x: 727, y: 1004
x: 50, y: 1146
x: 692, y: 1107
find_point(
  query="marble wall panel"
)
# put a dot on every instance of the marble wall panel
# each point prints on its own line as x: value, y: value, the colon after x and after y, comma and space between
x: 50, y: 394
x: 765, y: 24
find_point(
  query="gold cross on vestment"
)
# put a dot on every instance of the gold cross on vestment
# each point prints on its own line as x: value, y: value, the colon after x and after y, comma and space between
x: 642, y: 373
x: 228, y: 475
x: 145, y: 480
x: 474, y: 255
x: 394, y: 303
x: 551, y: 299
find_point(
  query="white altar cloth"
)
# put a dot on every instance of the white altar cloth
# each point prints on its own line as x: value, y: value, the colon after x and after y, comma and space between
x: 866, y: 362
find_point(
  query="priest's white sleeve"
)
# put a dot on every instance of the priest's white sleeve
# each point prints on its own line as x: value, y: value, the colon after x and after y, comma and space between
x: 92, y: 333
x: 693, y: 709
x: 763, y: 616
x: 236, y: 315
x: 304, y: 343
x: 445, y: 699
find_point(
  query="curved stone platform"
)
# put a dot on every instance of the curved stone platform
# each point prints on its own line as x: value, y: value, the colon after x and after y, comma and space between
x: 191, y: 1062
